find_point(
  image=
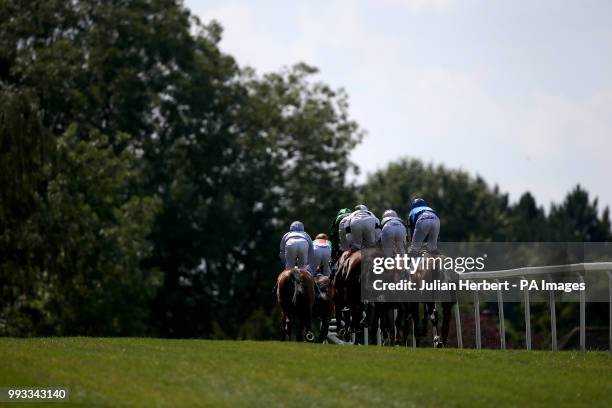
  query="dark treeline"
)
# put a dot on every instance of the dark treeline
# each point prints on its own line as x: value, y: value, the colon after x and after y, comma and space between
x: 147, y: 178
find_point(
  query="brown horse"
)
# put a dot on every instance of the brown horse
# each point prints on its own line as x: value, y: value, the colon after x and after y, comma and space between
x: 296, y: 295
x: 346, y: 292
x: 323, y: 305
x: 428, y: 272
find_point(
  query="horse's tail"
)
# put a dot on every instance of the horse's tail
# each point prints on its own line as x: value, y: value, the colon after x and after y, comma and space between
x: 298, y: 286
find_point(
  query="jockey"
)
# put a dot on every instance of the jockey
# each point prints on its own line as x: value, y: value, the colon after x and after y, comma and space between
x: 425, y: 226
x: 363, y: 228
x: 338, y: 233
x: 296, y: 247
x: 321, y: 255
x: 394, y: 234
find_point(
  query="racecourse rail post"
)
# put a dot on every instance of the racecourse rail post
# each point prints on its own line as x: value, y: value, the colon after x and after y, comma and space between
x: 502, y: 323
x: 582, y: 315
x: 527, y: 318
x: 548, y: 272
x: 458, y: 326
x: 553, y: 317
x: 610, y: 303
x: 477, y: 319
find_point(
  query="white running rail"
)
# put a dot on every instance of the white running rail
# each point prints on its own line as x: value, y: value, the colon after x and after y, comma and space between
x: 580, y: 269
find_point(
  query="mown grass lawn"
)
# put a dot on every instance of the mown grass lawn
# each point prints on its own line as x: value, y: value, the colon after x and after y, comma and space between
x: 175, y: 373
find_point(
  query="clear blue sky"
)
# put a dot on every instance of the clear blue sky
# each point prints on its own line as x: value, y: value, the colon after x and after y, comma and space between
x: 519, y: 92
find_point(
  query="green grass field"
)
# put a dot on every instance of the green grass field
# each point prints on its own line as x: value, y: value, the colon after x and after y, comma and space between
x: 156, y: 372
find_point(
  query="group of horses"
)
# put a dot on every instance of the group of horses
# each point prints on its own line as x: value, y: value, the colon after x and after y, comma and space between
x: 303, y: 299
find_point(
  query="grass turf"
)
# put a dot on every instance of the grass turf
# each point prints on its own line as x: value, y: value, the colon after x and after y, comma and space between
x: 158, y: 372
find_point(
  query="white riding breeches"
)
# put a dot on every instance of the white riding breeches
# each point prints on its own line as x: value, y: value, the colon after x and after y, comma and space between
x: 321, y: 258
x: 394, y: 239
x: 296, y: 253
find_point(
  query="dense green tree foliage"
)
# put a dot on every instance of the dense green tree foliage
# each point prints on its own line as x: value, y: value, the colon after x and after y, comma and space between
x: 72, y: 235
x: 147, y: 178
x: 472, y: 210
x: 220, y: 160
x: 469, y: 208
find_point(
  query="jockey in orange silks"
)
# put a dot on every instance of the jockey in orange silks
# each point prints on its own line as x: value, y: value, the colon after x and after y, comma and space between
x: 322, y: 249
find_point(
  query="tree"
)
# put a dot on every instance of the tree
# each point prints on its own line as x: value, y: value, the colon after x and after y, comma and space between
x: 469, y: 209
x: 528, y: 221
x: 283, y: 155
x: 577, y: 219
x: 72, y: 236
x: 26, y: 151
x: 95, y: 239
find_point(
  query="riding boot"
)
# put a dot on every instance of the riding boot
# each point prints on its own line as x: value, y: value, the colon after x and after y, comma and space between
x: 317, y: 290
x: 334, y: 268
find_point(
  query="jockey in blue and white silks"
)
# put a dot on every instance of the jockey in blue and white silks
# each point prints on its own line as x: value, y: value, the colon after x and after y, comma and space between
x: 425, y: 226
x: 322, y: 255
x: 394, y: 234
x: 363, y: 229
x: 296, y: 247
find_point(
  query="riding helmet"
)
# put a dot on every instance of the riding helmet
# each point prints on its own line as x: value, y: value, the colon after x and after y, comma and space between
x: 344, y: 211
x: 361, y: 207
x: 419, y: 202
x: 296, y: 226
x: 389, y: 213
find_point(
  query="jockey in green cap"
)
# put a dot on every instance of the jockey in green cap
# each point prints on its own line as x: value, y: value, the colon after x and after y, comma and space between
x: 338, y: 234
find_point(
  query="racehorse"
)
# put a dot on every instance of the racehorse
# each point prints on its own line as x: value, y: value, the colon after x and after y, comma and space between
x: 323, y: 305
x: 347, y: 295
x: 296, y: 296
x: 394, y: 330
x: 380, y: 315
x: 428, y: 272
x: 346, y: 292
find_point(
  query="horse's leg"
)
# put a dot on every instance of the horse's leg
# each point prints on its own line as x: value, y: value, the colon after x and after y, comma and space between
x: 425, y: 321
x: 346, y: 322
x: 381, y: 323
x: 382, y: 315
x: 377, y: 317
x: 309, y: 335
x: 395, y: 328
x: 372, y: 322
x: 298, y: 326
x: 409, y: 334
x: 324, y: 327
x: 433, y: 315
x: 401, y: 325
x: 286, y: 327
x: 388, y: 322
x: 356, y: 316
x: 409, y: 327
x: 283, y: 328
x: 340, y: 327
x: 446, y: 318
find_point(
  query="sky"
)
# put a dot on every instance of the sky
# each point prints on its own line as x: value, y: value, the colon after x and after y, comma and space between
x: 519, y: 92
